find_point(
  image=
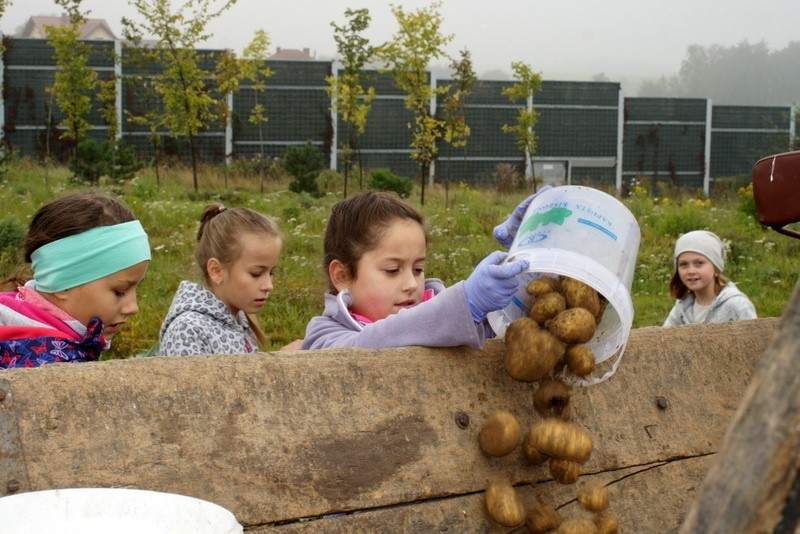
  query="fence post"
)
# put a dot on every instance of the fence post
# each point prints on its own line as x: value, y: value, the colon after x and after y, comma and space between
x: 707, y: 153
x: 620, y: 138
x: 118, y: 86
x: 334, y: 119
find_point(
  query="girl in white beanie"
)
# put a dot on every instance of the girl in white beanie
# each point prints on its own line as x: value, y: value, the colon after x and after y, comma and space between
x: 703, y: 293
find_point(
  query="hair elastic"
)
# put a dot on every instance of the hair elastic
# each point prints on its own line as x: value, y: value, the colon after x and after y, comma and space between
x: 88, y: 256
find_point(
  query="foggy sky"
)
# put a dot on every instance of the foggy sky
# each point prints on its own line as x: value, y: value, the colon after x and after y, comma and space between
x: 627, y: 41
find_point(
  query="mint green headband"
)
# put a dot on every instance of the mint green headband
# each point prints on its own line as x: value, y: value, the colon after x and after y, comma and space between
x: 88, y: 256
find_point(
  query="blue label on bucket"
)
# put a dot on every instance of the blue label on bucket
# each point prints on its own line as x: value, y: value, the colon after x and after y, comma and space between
x: 595, y: 225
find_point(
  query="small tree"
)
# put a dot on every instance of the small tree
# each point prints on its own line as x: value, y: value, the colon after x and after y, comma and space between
x: 349, y: 98
x: 75, y: 82
x: 255, y: 69
x: 527, y: 83
x: 417, y: 42
x: 456, y: 129
x: 188, y: 105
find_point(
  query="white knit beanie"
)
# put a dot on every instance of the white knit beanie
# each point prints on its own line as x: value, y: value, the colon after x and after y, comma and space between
x: 706, y: 243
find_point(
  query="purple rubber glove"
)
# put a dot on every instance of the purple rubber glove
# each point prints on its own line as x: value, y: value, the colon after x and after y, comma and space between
x: 492, y: 284
x: 505, y: 232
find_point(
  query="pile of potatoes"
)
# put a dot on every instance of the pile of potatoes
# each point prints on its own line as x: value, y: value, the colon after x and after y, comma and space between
x: 564, y: 314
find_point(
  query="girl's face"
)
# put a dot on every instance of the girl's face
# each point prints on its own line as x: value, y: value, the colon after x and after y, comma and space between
x: 697, y: 273
x: 390, y: 277
x: 247, y: 282
x: 111, y: 298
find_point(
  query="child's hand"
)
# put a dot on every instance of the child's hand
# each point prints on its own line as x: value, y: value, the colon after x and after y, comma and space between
x: 492, y: 284
x: 505, y: 232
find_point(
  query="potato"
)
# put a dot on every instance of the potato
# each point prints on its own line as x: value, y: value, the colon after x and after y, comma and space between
x: 551, y: 398
x: 574, y: 325
x: 540, y: 286
x: 564, y: 471
x: 531, y: 453
x: 593, y: 497
x: 547, y: 306
x: 580, y: 359
x: 531, y: 353
x: 577, y: 526
x: 560, y: 439
x: 500, y: 434
x: 579, y: 295
x: 504, y: 504
x: 606, y: 524
x: 542, y: 518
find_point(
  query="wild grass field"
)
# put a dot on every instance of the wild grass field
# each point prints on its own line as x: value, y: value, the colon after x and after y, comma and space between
x: 763, y: 263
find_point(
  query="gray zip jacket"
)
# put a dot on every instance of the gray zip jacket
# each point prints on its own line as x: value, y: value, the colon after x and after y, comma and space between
x: 443, y: 321
x: 730, y: 305
x: 199, y: 323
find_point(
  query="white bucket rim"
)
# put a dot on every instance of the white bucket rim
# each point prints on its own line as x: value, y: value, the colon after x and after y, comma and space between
x: 96, y: 509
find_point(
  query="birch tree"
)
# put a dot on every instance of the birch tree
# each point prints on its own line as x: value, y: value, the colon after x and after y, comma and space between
x: 416, y: 44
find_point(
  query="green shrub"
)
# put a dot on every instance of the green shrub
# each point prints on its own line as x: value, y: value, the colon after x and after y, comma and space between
x: 121, y: 163
x: 114, y: 159
x: 747, y: 202
x: 386, y: 180
x: 12, y: 233
x: 88, y: 163
x: 304, y: 163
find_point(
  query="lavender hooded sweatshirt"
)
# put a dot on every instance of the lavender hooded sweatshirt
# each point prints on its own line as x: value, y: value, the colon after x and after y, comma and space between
x: 443, y: 321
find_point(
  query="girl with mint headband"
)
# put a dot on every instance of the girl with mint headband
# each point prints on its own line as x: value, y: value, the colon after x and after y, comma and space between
x: 88, y: 254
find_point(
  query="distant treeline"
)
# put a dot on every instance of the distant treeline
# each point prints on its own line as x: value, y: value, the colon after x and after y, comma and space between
x: 745, y: 74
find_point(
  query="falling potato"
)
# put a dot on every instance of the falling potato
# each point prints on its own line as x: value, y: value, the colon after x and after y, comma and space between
x: 541, y: 519
x: 580, y: 359
x: 593, y: 497
x: 564, y: 471
x: 531, y: 453
x: 551, y: 398
x: 560, y: 439
x: 577, y: 526
x: 531, y: 353
x: 504, y: 504
x: 500, y: 434
x: 606, y: 524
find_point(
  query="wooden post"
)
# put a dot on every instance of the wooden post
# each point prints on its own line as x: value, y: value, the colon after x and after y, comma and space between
x: 749, y: 486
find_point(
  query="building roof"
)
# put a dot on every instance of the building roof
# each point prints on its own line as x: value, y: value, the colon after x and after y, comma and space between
x: 293, y: 54
x: 92, y: 29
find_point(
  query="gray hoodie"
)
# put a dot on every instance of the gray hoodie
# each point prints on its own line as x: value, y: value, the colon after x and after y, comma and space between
x: 730, y: 305
x: 199, y: 323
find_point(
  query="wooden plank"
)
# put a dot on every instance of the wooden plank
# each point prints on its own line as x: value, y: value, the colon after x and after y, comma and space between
x: 277, y: 437
x: 749, y: 484
x: 646, y: 499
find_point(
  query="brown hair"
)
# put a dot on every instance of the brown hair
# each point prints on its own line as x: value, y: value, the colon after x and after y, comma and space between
x: 71, y: 214
x: 218, y: 236
x: 678, y: 290
x: 358, y: 223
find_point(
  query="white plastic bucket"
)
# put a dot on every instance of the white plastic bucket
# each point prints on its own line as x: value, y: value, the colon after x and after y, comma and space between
x: 588, y: 235
x: 112, y: 510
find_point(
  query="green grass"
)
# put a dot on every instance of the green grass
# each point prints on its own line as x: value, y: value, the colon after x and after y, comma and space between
x: 764, y: 264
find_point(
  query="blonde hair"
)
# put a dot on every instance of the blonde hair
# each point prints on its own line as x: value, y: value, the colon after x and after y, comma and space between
x: 218, y: 237
x: 678, y: 290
